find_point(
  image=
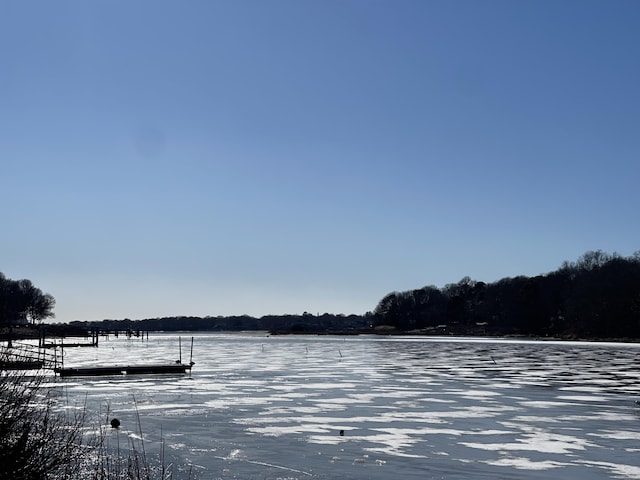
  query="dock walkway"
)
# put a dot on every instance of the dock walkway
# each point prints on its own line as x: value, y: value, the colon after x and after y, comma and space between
x: 24, y: 356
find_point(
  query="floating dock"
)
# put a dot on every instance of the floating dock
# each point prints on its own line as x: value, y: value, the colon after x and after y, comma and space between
x: 176, y: 368
x: 111, y: 370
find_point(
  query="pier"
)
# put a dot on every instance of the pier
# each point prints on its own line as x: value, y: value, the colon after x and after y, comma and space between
x: 93, y: 338
x: 17, y: 355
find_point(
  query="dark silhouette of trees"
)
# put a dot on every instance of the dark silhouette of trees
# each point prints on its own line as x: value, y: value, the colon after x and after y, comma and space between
x: 305, y: 323
x: 21, y: 302
x: 598, y: 296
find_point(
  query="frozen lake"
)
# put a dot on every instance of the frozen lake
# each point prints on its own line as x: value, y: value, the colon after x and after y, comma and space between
x: 260, y: 407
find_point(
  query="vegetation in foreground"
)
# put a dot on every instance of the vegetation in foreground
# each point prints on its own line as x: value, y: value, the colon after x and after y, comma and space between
x: 36, y: 442
x: 40, y: 441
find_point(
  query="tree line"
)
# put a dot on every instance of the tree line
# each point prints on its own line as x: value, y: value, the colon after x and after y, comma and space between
x: 22, y: 303
x: 304, y: 323
x: 597, y: 296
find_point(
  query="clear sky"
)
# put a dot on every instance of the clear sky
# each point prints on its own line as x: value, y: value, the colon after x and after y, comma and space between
x: 206, y: 157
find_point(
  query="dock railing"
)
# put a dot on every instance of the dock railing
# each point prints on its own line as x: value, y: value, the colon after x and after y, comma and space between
x: 25, y: 356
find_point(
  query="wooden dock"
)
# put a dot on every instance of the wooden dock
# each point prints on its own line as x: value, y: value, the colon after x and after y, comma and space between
x: 112, y: 370
x: 21, y: 365
x: 23, y: 356
x: 176, y: 368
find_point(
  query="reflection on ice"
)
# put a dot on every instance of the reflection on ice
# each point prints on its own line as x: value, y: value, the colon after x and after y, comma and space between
x: 582, y: 398
x: 542, y: 443
x: 293, y: 407
x: 527, y: 464
x: 619, y: 470
x: 618, y: 435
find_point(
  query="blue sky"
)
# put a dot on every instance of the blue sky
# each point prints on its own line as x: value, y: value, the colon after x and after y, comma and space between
x: 164, y: 158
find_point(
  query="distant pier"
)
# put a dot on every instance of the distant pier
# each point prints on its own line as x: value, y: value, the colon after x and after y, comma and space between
x: 93, y: 338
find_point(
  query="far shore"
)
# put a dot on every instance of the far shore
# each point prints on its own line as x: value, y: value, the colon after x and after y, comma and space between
x: 31, y: 332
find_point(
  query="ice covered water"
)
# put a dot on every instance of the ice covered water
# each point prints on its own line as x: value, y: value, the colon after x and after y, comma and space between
x: 294, y: 407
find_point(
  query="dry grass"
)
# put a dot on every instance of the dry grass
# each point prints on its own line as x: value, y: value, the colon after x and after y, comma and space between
x: 40, y: 441
x: 36, y: 441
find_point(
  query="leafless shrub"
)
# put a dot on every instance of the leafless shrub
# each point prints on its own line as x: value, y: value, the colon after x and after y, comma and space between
x: 37, y: 442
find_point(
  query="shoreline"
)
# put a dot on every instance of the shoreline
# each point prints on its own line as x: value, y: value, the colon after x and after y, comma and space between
x: 22, y: 332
